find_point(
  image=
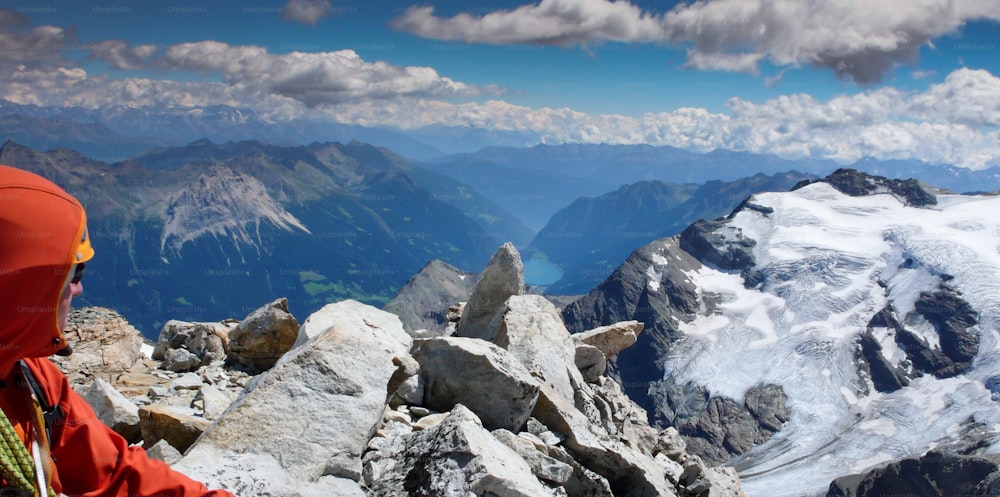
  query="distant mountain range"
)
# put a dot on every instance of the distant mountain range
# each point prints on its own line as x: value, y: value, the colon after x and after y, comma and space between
x: 535, y: 182
x: 592, y: 236
x: 202, y: 231
x: 116, y: 133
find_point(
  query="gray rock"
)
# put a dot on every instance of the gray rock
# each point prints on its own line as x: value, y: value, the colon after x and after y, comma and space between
x: 529, y: 327
x: 104, y: 345
x: 989, y: 486
x: 630, y: 422
x: 114, y: 410
x: 212, y: 401
x: 263, y: 336
x: 430, y: 421
x: 612, y: 339
x: 300, y: 428
x: 671, y: 444
x: 176, y: 426
x: 485, y: 378
x: 590, y: 361
x: 206, y: 341
x: 716, y: 244
x: 400, y: 384
x: 457, y: 458
x: 411, y: 391
x: 936, y: 474
x: 424, y: 302
x: 163, y: 451
x: 635, y: 474
x: 186, y: 381
x: 545, y: 468
x: 885, y: 376
x: 181, y: 360
x: 582, y: 481
x: 723, y: 482
x: 672, y: 468
x: 159, y: 392
x: 502, y: 278
x: 727, y: 428
x: 418, y: 411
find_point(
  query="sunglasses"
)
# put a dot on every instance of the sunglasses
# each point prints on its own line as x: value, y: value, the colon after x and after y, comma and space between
x: 78, y: 275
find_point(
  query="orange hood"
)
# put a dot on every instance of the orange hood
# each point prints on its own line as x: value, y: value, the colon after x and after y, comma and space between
x: 43, y: 234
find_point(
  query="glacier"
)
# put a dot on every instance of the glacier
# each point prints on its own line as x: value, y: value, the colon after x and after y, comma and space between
x: 831, y: 262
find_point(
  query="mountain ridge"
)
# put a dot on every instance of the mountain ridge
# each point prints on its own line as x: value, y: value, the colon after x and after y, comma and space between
x: 788, y: 290
x: 310, y: 222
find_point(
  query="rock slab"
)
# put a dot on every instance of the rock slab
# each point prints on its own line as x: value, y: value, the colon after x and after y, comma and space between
x: 300, y: 428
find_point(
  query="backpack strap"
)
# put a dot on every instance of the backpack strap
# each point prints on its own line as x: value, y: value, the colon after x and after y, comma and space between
x: 51, y: 414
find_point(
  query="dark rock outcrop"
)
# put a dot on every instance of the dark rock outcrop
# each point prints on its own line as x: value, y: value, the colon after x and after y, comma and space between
x: 725, y: 428
x: 423, y: 302
x: 716, y: 244
x: 858, y: 184
x: 885, y: 376
x: 658, y: 303
x: 952, y: 318
x: 936, y: 474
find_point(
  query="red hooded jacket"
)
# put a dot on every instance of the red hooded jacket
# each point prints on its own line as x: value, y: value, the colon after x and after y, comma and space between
x: 43, y: 234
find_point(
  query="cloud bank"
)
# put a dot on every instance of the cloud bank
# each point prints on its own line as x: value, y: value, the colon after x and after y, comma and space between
x: 858, y: 40
x: 307, y: 11
x: 321, y: 78
x: 951, y: 122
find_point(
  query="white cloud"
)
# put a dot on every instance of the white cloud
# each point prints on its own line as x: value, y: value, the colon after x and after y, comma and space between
x: 307, y: 11
x: 857, y: 39
x: 35, y: 46
x: 315, y: 79
x: 886, y: 123
x: 119, y: 54
x: 966, y: 96
x: 552, y: 22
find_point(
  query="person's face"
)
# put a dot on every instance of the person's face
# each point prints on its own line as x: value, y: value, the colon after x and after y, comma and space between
x: 73, y: 288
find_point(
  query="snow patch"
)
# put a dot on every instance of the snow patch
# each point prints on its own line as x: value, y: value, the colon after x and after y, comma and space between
x: 654, y: 278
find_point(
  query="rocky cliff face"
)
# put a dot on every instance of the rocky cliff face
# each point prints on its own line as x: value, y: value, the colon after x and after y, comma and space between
x: 816, y: 333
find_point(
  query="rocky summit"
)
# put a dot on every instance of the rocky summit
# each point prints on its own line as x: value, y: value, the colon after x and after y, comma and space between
x: 357, y: 406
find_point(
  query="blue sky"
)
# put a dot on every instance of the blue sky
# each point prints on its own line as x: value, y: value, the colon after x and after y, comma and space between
x: 836, y: 79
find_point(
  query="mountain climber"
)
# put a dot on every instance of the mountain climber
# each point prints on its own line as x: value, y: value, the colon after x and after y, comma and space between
x: 52, y: 442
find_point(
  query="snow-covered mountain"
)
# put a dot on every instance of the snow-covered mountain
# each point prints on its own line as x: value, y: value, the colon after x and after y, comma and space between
x: 873, y: 305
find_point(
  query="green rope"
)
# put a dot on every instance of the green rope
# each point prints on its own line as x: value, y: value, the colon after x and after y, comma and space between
x: 16, y: 464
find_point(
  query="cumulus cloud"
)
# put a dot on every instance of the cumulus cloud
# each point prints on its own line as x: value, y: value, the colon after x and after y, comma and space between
x: 120, y: 54
x: 552, y: 22
x: 307, y: 11
x: 35, y: 46
x: 315, y: 79
x: 967, y: 96
x: 857, y: 39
